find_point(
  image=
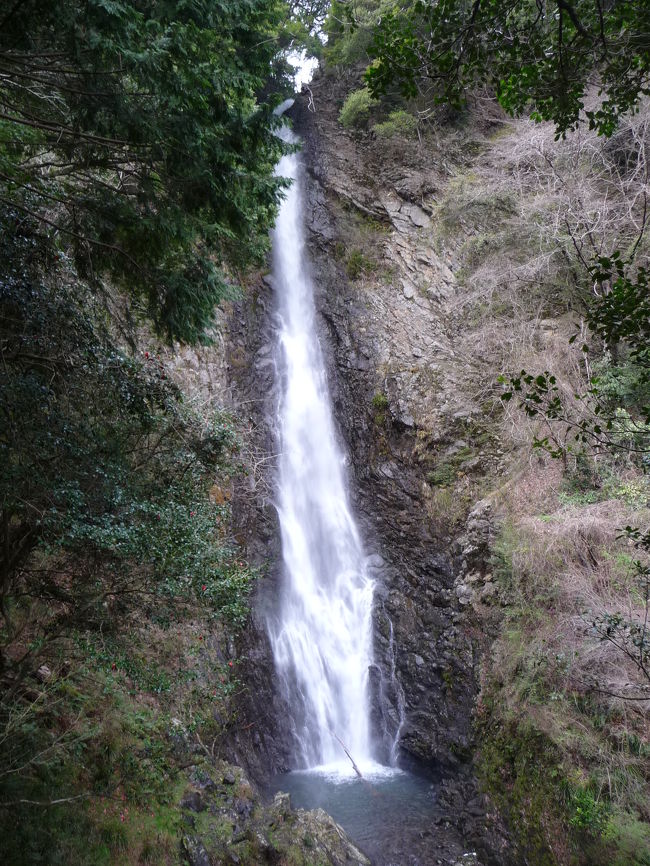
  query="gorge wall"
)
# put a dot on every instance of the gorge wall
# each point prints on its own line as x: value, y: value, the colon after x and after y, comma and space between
x: 437, y: 267
x: 394, y: 381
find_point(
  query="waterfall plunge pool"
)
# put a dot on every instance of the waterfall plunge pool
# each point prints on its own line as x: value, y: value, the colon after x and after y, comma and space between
x: 389, y: 814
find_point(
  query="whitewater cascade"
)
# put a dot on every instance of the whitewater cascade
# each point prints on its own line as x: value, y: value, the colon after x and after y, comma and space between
x: 322, y: 638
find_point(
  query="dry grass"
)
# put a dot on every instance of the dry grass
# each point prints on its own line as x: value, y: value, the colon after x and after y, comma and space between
x: 521, y: 223
x: 558, y: 572
x: 524, y: 222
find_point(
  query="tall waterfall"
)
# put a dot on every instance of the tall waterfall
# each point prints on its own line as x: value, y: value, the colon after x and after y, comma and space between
x: 322, y: 641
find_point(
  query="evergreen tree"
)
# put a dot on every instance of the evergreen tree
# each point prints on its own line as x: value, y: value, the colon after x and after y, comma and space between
x: 132, y: 129
x: 537, y: 56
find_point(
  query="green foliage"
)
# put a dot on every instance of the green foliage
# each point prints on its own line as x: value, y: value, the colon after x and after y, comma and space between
x: 629, y: 635
x: 356, y: 264
x: 444, y: 475
x: 581, y: 483
x: 133, y: 131
x: 380, y: 405
x: 631, y: 838
x: 379, y: 401
x: 555, y: 812
x: 104, y: 494
x: 537, y: 57
x: 447, y: 468
x: 349, y: 30
x: 306, y: 22
x: 356, y: 108
x: 597, y: 422
x: 400, y: 124
x: 520, y: 768
x: 114, y: 761
x: 586, y: 811
x: 620, y: 316
x: 623, y: 384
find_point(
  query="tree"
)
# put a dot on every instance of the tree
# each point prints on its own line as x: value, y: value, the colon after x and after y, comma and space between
x: 132, y: 131
x: 538, y: 56
x: 104, y: 503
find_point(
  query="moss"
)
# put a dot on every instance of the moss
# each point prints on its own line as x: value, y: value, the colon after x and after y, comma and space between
x: 630, y: 838
x: 379, y: 401
x: 558, y: 816
x: 379, y: 404
x: 446, y: 470
x: 519, y: 768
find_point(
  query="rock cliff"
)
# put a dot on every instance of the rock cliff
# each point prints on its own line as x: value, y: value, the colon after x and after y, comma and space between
x: 383, y: 293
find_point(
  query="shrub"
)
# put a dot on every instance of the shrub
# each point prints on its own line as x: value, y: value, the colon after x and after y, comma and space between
x: 356, y: 108
x: 586, y: 811
x: 357, y: 264
x: 400, y: 124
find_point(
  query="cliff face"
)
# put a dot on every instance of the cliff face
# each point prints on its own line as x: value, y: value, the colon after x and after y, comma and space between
x: 382, y: 296
x: 398, y: 403
x: 438, y: 266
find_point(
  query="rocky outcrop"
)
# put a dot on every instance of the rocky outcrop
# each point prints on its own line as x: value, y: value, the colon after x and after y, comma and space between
x: 226, y: 823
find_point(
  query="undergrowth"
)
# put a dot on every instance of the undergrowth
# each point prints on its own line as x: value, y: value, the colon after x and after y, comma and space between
x: 564, y: 737
x: 95, y: 758
x: 119, y: 578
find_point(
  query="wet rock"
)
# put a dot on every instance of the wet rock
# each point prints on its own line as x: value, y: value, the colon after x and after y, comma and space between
x: 193, y: 801
x: 282, y: 802
x: 375, y: 560
x: 194, y: 852
x: 387, y: 336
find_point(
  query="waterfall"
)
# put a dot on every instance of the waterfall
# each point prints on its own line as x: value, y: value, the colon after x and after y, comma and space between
x: 400, y: 699
x: 322, y: 637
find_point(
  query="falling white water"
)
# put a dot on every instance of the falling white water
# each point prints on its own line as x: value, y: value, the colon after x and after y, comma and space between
x: 322, y: 640
x: 399, y: 695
